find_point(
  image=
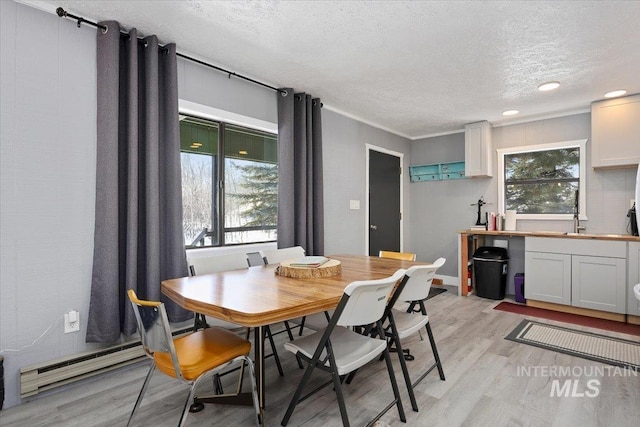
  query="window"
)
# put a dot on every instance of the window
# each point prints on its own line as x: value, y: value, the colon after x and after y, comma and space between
x: 242, y: 206
x: 540, y: 182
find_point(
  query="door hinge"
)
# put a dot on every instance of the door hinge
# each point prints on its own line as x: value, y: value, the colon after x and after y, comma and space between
x: 400, y: 216
x: 400, y: 170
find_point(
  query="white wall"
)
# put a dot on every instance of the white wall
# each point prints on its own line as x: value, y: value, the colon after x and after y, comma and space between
x: 47, y: 194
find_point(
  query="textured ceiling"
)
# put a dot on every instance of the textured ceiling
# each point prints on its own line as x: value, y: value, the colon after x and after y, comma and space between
x: 414, y: 68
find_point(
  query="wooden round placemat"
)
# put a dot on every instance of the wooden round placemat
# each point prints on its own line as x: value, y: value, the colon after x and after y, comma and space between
x: 329, y: 268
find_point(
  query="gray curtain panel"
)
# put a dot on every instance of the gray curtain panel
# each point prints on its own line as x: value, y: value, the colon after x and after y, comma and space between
x: 138, y: 231
x: 300, y: 188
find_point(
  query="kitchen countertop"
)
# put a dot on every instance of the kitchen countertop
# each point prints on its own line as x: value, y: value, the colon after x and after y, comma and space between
x: 557, y: 234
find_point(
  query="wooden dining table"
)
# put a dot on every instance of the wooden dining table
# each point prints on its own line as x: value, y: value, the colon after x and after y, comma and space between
x: 257, y: 297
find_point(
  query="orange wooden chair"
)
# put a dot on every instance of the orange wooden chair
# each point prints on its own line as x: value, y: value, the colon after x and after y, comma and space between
x: 190, y: 358
x: 397, y: 255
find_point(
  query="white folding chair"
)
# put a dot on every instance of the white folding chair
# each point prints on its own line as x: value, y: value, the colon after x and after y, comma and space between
x: 276, y: 256
x: 257, y: 259
x: 339, y: 350
x: 400, y: 324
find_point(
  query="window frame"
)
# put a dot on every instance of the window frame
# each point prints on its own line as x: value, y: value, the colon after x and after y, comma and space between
x: 222, y: 117
x: 581, y: 144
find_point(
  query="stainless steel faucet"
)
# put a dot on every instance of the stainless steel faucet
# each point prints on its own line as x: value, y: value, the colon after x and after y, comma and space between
x: 576, y: 216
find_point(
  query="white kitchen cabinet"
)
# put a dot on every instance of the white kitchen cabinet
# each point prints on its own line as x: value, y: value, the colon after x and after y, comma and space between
x: 599, y: 283
x: 633, y: 305
x: 547, y: 277
x: 615, y: 132
x: 478, y: 149
x: 574, y: 272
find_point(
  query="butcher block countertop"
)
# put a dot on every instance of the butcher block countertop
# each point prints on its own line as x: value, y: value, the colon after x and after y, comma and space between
x: 557, y: 234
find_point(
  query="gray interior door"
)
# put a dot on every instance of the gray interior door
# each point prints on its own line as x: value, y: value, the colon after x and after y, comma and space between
x: 384, y: 202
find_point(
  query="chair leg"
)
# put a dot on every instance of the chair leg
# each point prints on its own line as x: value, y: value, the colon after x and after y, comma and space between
x: 183, y: 417
x: 403, y: 365
x: 302, y: 325
x: 434, y: 348
x: 288, y: 328
x: 254, y: 390
x: 337, y: 386
x: 394, y: 386
x: 275, y: 352
x: 298, y: 392
x: 142, y: 391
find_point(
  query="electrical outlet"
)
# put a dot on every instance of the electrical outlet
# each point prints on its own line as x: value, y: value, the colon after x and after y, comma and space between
x: 71, y: 321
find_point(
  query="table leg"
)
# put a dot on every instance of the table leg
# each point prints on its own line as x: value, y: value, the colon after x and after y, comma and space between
x: 464, y: 260
x: 259, y: 335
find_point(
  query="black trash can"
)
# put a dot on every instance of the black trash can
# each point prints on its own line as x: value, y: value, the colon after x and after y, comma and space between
x: 490, y: 271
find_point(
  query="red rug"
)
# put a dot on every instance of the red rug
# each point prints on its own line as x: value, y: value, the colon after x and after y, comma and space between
x: 576, y: 319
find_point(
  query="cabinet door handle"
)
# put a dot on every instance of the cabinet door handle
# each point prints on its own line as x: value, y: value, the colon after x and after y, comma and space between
x: 373, y: 227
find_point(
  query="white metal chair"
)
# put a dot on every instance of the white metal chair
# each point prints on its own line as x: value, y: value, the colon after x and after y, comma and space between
x: 190, y: 358
x: 315, y: 321
x: 276, y: 256
x: 257, y: 259
x: 215, y: 264
x: 400, y: 324
x: 340, y: 351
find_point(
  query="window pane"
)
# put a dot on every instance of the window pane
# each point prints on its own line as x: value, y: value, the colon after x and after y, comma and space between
x: 541, y: 198
x: 542, y: 182
x: 251, y: 186
x: 199, y: 146
x: 542, y: 165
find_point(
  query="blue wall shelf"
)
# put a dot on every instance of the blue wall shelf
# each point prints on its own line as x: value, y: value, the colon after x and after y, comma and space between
x: 437, y: 172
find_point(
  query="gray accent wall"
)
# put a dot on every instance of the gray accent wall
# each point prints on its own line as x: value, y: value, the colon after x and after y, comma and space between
x: 344, y: 145
x: 47, y: 193
x: 47, y: 175
x: 442, y: 208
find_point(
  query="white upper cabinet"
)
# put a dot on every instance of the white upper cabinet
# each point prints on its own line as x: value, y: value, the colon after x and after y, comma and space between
x: 478, y: 149
x: 615, y: 132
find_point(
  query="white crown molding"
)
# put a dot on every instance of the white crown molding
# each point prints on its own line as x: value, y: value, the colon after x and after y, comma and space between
x: 366, y: 122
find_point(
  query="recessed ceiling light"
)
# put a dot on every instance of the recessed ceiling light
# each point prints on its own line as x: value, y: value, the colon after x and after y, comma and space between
x: 549, y: 86
x: 510, y: 112
x: 615, y: 93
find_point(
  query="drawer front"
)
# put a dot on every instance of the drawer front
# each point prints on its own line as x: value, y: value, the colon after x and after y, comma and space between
x: 604, y: 248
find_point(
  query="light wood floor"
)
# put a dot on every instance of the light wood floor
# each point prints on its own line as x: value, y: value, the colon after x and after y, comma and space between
x: 483, y: 386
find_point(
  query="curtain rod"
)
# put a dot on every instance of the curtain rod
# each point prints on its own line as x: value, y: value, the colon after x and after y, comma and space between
x: 64, y: 14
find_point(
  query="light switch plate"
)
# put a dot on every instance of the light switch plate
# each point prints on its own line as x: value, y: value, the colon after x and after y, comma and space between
x: 354, y: 204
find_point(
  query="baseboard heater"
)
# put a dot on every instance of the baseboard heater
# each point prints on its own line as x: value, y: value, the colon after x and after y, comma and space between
x: 46, y: 376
